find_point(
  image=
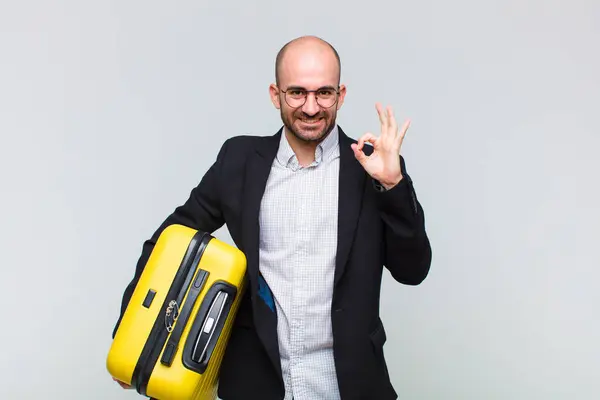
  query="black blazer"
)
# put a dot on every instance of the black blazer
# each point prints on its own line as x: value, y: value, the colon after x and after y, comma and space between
x: 376, y: 229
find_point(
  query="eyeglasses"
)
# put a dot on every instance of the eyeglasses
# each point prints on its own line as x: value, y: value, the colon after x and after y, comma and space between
x: 296, y: 97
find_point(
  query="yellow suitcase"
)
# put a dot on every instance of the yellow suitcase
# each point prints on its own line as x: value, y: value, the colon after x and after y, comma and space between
x: 170, y: 342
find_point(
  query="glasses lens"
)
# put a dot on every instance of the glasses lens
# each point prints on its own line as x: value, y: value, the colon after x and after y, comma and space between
x: 326, y: 97
x: 295, y: 97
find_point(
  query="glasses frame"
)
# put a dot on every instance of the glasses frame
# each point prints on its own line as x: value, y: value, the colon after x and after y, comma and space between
x: 336, y: 90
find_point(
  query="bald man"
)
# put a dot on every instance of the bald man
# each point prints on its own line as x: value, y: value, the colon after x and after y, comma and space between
x: 318, y: 215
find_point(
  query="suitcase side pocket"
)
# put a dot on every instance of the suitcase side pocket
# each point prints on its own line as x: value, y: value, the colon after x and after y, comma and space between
x: 208, y: 325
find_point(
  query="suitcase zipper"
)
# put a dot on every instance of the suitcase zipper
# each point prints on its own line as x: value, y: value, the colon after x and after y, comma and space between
x: 160, y: 331
x: 182, y: 319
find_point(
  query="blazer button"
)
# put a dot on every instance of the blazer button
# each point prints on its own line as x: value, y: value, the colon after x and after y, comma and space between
x: 337, y: 310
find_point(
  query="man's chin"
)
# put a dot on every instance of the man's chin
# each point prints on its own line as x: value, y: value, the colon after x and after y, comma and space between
x: 309, y: 135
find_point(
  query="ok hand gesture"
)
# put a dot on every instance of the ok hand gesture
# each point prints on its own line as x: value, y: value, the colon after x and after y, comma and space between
x: 383, y: 164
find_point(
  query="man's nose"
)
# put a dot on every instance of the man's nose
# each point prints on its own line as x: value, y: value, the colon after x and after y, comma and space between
x: 310, y: 107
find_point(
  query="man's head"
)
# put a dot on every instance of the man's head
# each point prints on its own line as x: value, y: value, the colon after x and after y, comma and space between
x: 307, y: 90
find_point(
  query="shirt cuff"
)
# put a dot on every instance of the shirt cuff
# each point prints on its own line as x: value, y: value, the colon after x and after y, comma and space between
x: 399, y: 200
x: 380, y: 188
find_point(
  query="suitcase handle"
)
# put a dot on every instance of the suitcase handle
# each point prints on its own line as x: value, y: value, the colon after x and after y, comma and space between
x: 207, y: 333
x: 208, y: 326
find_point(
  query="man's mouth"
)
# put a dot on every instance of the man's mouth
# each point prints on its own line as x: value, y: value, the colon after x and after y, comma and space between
x: 311, y: 121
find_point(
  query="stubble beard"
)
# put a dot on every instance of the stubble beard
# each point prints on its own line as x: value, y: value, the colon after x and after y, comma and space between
x: 312, y: 139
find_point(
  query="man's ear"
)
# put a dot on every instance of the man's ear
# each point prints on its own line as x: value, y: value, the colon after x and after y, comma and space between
x: 341, y: 96
x: 274, y: 93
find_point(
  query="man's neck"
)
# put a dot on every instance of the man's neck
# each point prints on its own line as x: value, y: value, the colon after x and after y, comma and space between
x: 305, y: 151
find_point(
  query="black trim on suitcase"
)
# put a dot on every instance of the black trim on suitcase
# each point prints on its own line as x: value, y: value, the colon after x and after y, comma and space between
x: 159, y: 333
x: 190, y: 301
x: 208, y: 325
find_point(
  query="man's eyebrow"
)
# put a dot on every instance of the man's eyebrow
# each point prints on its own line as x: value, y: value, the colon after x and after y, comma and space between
x: 327, y: 87
x: 302, y: 88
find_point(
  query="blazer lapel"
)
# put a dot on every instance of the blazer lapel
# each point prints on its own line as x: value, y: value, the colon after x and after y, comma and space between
x: 351, y: 189
x: 256, y: 173
x: 255, y: 179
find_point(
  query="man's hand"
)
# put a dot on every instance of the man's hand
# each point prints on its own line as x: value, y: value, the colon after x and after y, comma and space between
x: 383, y: 164
x: 123, y: 384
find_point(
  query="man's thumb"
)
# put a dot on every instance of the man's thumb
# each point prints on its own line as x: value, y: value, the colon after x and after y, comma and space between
x: 359, y: 154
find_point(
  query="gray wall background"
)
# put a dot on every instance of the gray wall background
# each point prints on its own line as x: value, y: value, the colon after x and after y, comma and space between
x: 110, y: 112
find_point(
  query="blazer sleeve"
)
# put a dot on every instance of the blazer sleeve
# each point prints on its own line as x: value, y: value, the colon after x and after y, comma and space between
x: 407, y: 250
x: 201, y: 211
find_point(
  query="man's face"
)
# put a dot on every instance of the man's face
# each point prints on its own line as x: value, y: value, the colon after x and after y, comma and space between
x: 307, y: 96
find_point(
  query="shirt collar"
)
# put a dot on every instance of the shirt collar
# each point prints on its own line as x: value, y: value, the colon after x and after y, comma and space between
x: 327, y: 149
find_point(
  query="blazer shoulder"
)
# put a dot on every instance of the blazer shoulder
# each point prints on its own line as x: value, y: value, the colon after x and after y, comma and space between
x: 240, y: 146
x: 242, y: 142
x: 248, y: 142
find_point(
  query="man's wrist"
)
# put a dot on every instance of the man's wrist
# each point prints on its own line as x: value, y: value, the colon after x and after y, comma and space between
x: 386, y: 186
